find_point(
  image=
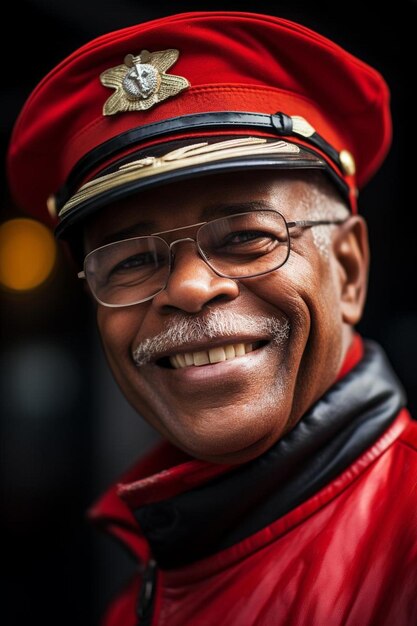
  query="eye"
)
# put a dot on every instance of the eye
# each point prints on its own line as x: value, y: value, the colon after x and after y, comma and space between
x: 245, y: 241
x: 245, y: 236
x: 137, y: 261
x: 244, y: 244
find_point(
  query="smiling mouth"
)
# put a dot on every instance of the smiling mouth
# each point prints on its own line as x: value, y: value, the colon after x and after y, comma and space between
x: 214, y: 355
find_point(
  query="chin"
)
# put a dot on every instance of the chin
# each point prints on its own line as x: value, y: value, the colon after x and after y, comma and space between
x: 228, y: 453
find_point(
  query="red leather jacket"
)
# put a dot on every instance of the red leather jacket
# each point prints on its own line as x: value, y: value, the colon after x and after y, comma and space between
x: 337, y: 545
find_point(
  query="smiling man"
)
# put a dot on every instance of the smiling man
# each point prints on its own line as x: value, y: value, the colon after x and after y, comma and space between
x: 204, y: 168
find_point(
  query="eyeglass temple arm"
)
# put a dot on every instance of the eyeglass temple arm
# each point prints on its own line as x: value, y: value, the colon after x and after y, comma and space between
x: 309, y: 223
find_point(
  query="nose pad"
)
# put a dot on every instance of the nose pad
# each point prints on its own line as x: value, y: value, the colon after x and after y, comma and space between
x: 192, y: 283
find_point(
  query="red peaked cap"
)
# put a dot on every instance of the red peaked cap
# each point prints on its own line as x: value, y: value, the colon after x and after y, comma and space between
x: 234, y: 63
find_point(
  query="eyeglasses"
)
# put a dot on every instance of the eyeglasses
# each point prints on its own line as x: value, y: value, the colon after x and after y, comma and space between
x: 239, y: 246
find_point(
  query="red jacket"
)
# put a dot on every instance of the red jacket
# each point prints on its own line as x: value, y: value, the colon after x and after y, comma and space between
x: 345, y: 555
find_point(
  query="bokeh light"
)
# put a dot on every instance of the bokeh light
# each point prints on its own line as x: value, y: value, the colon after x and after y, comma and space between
x: 39, y: 380
x: 27, y: 254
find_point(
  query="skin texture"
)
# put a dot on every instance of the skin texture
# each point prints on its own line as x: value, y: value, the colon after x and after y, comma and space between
x: 231, y: 412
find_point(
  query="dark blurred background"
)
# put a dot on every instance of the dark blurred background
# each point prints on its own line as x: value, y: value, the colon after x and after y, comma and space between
x: 66, y: 432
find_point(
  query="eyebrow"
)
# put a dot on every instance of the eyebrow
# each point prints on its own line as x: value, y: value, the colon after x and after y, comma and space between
x: 136, y: 230
x: 207, y: 214
x: 223, y: 210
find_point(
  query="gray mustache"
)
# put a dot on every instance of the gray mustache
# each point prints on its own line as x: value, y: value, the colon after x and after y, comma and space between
x: 216, y: 324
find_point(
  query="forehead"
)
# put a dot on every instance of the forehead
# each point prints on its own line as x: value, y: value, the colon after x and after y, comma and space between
x: 201, y: 199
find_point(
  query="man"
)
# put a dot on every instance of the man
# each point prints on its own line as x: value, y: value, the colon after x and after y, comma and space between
x: 204, y: 169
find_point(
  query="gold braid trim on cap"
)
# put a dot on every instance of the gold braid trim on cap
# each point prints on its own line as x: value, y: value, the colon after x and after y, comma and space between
x: 187, y: 156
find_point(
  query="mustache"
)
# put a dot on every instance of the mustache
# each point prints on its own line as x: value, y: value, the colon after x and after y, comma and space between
x: 215, y: 324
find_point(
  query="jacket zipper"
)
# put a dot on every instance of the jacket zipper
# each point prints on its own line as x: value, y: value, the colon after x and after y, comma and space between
x: 146, y: 599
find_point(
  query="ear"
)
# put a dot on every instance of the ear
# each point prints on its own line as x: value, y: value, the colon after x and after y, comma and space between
x: 351, y: 250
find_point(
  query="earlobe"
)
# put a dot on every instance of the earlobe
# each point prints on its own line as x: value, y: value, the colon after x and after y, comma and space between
x: 351, y: 249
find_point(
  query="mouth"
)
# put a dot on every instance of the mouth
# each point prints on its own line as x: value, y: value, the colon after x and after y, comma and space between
x: 209, y: 356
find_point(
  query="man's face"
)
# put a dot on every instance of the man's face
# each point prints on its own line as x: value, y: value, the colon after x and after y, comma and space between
x: 233, y: 410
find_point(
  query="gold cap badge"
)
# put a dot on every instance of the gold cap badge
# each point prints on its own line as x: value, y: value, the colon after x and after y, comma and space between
x: 141, y: 82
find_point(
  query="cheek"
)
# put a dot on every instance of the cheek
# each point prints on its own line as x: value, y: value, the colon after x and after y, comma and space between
x: 118, y: 329
x: 306, y: 289
x: 319, y: 295
x: 290, y: 289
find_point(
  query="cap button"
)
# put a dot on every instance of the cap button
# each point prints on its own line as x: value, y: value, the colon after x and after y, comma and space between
x: 347, y: 162
x: 51, y: 205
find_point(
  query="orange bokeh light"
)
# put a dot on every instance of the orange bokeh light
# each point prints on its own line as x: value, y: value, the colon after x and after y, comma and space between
x: 27, y: 254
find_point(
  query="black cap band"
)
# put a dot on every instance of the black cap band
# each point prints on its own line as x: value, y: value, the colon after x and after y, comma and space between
x: 280, y: 124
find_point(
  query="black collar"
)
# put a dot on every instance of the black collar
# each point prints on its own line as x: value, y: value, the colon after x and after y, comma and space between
x: 334, y: 432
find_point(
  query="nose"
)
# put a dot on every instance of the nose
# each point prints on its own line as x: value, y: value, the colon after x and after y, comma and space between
x: 192, y: 283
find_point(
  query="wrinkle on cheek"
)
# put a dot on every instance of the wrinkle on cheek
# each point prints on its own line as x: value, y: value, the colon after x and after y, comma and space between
x: 309, y: 294
x: 118, y: 329
x: 113, y: 344
x: 292, y: 288
x: 138, y: 391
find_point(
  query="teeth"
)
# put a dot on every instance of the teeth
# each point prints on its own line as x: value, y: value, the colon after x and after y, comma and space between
x: 214, y: 355
x: 201, y: 358
x: 230, y: 352
x: 240, y: 349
